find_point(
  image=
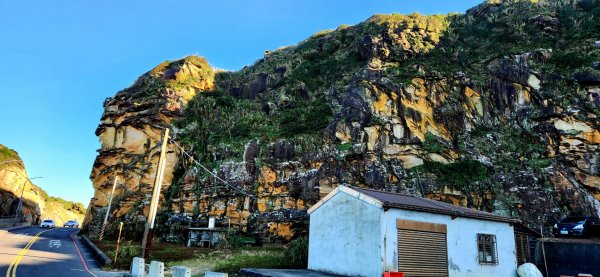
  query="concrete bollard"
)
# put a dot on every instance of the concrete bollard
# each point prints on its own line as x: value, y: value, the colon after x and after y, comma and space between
x: 215, y: 274
x: 157, y: 269
x: 181, y: 271
x: 138, y: 268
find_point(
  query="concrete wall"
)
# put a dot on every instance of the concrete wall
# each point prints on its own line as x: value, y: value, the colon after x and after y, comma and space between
x: 462, y: 243
x: 345, y: 237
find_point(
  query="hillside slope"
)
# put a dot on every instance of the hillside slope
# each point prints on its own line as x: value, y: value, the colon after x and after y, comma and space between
x: 496, y: 109
x: 36, y: 202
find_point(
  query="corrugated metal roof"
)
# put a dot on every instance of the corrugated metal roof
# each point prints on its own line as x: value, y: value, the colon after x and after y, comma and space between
x: 396, y: 200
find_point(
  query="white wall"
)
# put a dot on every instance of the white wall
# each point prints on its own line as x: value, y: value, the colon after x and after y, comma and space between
x: 345, y: 237
x: 462, y: 243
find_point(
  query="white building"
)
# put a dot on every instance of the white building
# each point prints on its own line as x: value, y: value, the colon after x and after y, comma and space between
x: 363, y: 232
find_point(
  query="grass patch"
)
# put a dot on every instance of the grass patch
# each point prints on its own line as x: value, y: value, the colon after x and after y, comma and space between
x: 164, y: 252
x: 203, y: 259
x: 461, y: 174
x: 75, y: 207
x: 344, y: 146
x: 304, y: 118
x: 432, y: 145
x: 8, y: 154
x: 266, y: 258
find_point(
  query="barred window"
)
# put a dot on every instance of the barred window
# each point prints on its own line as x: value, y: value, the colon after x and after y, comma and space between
x: 486, y: 248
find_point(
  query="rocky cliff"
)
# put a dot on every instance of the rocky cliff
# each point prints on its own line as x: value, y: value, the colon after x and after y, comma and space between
x: 496, y: 109
x: 36, y: 202
x: 130, y: 132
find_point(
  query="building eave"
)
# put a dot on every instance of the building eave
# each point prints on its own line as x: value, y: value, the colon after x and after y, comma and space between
x: 453, y: 214
x: 349, y: 191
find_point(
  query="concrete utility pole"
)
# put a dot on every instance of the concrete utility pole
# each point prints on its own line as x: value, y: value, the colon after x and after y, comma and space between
x: 21, y: 198
x: 149, y: 231
x: 112, y: 193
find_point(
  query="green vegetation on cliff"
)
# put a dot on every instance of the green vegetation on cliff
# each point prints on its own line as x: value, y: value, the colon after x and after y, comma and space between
x: 53, y: 206
x: 494, y: 49
x: 495, y: 109
x: 7, y: 154
x: 288, y: 93
x: 491, y: 31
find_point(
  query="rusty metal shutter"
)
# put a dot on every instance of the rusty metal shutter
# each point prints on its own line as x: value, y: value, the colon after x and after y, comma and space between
x: 422, y: 253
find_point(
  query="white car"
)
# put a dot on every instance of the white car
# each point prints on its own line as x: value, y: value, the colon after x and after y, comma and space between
x: 48, y: 223
x: 71, y: 223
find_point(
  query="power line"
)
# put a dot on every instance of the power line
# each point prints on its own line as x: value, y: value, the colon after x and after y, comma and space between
x: 235, y: 188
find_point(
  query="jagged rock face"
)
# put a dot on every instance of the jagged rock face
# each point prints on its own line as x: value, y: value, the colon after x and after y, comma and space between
x: 12, y: 178
x: 36, y: 203
x: 474, y: 109
x: 131, y: 131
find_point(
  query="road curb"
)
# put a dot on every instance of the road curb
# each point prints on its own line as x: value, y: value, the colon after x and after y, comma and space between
x: 96, y: 252
x: 6, y: 230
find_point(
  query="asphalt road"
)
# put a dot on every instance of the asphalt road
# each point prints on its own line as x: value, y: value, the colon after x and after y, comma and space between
x: 36, y: 251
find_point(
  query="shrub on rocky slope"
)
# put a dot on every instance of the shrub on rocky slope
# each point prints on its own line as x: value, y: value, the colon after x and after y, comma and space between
x: 496, y: 109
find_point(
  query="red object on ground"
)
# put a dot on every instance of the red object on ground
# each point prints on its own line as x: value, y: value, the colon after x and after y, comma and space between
x: 393, y: 274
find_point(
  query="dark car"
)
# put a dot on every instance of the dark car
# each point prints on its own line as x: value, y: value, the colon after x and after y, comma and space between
x: 577, y: 226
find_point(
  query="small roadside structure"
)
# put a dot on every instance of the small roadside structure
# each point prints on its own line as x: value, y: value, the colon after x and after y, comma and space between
x: 205, y: 237
x: 364, y: 232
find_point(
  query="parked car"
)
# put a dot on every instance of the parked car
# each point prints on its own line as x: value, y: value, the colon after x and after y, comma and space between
x: 48, y: 223
x: 577, y: 226
x: 71, y: 224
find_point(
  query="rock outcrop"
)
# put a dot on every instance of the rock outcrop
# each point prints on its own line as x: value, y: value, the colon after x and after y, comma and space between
x: 496, y: 109
x: 130, y: 132
x: 14, y: 182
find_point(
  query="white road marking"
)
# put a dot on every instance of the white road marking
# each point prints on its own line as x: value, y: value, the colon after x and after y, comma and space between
x: 55, y: 243
x: 76, y: 269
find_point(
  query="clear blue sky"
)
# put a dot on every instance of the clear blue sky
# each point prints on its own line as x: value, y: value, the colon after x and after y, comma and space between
x: 61, y: 59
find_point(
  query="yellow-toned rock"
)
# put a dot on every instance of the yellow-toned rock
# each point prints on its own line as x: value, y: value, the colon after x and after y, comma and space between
x: 417, y: 100
x: 133, y: 140
x: 281, y: 229
x: 410, y: 161
x: 437, y: 158
x: 474, y: 100
x: 398, y: 131
x: 592, y: 137
x: 383, y: 105
x: 372, y: 136
x: 15, y: 184
x: 107, y: 138
x: 268, y: 176
x: 131, y: 131
x: 572, y: 126
x: 343, y: 132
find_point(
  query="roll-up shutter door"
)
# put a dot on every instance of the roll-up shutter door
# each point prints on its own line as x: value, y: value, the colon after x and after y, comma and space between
x: 422, y: 249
